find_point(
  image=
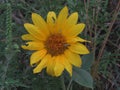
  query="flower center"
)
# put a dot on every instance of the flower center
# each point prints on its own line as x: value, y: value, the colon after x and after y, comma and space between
x: 56, y: 44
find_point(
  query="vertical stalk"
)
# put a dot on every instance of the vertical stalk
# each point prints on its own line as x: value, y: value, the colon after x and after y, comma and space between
x: 8, y: 26
x: 69, y: 85
x: 8, y: 49
x: 62, y: 82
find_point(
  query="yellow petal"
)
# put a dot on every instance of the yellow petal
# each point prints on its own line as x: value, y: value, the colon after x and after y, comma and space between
x: 69, y: 23
x: 42, y: 63
x: 63, y: 15
x: 73, y: 58
x: 62, y: 18
x: 40, y: 23
x: 28, y: 37
x: 72, y: 19
x: 58, y: 69
x: 76, y: 39
x: 37, y: 56
x: 34, y: 31
x: 79, y: 48
x: 66, y: 64
x: 50, y: 66
x: 51, y: 17
x: 33, y: 46
x: 74, y: 31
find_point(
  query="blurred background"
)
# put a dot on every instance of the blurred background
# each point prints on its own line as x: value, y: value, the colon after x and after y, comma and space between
x: 102, y: 19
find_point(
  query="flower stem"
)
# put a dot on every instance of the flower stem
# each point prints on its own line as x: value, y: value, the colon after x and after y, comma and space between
x: 69, y: 85
x: 62, y: 82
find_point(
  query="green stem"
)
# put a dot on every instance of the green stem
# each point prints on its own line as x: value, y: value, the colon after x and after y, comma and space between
x: 62, y: 82
x: 69, y: 85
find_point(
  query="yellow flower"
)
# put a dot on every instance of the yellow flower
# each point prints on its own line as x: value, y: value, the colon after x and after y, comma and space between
x: 55, y: 42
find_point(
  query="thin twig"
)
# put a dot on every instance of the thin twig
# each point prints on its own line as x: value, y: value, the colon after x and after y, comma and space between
x: 108, y: 33
x: 96, y: 64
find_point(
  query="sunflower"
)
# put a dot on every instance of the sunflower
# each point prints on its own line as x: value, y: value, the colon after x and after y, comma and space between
x: 55, y: 42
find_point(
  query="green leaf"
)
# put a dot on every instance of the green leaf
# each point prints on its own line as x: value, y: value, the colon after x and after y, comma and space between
x: 87, y: 61
x: 82, y: 77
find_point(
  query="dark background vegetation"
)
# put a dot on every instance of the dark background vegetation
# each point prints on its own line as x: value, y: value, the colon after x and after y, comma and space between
x: 102, y: 19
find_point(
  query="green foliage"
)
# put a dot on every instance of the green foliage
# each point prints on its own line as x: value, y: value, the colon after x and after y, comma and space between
x: 82, y: 77
x: 87, y: 61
